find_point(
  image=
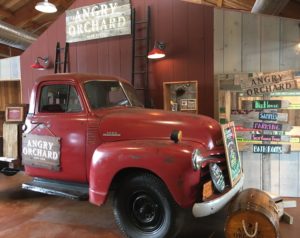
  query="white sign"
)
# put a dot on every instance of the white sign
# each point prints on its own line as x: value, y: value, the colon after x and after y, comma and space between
x: 101, y: 20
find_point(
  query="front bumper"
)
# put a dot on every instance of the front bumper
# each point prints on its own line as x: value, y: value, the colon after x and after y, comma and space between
x: 207, y: 208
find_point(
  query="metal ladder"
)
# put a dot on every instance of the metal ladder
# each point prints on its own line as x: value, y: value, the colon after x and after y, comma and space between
x: 58, y: 62
x: 140, y: 49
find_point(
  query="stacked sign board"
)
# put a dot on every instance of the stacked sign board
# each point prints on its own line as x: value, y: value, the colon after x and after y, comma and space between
x: 264, y: 128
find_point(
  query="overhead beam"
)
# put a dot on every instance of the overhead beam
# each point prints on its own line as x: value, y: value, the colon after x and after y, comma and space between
x: 219, y: 3
x: 5, y: 13
x: 6, y: 51
x: 23, y: 15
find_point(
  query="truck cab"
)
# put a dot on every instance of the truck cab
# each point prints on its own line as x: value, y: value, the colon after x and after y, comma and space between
x: 86, y: 135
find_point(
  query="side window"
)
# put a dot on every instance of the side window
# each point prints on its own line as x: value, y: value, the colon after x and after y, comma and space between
x: 59, y: 98
x: 116, y: 96
x: 105, y: 94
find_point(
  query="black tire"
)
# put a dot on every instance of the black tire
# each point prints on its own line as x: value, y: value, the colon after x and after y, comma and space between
x: 8, y: 171
x: 143, y: 208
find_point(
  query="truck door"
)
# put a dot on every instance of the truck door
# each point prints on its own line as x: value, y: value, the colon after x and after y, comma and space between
x: 59, y: 115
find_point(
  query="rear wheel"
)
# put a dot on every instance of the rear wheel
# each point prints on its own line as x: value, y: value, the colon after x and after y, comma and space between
x: 144, y: 208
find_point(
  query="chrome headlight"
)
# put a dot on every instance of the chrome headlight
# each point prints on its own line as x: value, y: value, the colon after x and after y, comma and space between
x: 197, y: 159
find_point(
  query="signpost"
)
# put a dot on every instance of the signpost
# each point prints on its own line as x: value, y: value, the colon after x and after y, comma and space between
x: 267, y: 126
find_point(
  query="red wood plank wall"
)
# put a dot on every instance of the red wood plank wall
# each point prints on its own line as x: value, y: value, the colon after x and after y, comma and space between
x: 186, y: 28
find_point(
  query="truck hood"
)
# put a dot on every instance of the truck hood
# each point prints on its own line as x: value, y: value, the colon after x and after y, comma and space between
x: 139, y: 123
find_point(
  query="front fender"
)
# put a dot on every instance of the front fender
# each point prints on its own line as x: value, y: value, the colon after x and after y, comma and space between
x: 169, y: 161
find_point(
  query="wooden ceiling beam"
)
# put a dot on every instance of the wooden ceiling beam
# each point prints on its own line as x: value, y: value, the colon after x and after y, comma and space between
x: 7, y: 51
x: 291, y: 10
x: 5, y: 13
x: 23, y: 15
x: 219, y: 3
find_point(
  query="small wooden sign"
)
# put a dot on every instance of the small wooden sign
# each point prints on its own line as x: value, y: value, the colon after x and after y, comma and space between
x: 265, y: 89
x: 272, y: 116
x: 271, y: 148
x: 268, y: 126
x: 240, y: 119
x: 267, y: 79
x: 232, y: 152
x: 246, y: 136
x: 41, y: 151
x: 264, y: 104
x: 269, y: 83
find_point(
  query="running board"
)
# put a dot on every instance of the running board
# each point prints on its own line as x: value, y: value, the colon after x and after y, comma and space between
x: 76, y: 191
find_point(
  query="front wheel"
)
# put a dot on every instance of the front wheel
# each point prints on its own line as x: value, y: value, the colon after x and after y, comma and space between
x: 144, y: 208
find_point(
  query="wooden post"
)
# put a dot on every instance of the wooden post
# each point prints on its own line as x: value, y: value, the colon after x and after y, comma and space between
x: 266, y: 162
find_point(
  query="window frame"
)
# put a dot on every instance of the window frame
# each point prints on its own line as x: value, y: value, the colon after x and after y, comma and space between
x: 49, y: 84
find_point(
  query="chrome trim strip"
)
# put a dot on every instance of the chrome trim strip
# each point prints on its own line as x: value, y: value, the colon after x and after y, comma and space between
x: 213, y: 206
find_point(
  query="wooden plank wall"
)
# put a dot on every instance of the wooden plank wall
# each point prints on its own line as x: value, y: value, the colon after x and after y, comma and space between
x: 285, y: 170
x: 9, y: 93
x: 259, y: 43
x: 254, y: 43
x: 186, y: 28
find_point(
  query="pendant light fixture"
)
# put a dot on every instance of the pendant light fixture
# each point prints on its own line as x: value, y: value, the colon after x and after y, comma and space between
x: 46, y: 7
x: 158, y: 51
x: 37, y: 65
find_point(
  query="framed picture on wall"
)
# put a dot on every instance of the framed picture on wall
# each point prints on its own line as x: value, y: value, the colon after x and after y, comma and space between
x: 16, y: 113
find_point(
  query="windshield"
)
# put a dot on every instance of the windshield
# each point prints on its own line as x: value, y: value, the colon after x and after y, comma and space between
x: 109, y: 94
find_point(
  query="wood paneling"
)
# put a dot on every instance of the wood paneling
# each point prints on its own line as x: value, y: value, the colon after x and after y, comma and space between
x: 9, y: 93
x: 186, y: 28
x: 270, y: 43
x: 284, y: 173
x: 254, y: 43
x: 250, y: 42
x: 290, y: 34
x: 232, y: 41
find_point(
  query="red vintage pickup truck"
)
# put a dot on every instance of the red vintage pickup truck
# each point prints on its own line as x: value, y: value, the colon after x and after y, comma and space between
x: 86, y: 135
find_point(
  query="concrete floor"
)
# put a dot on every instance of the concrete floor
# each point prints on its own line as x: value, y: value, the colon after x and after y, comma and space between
x: 25, y: 214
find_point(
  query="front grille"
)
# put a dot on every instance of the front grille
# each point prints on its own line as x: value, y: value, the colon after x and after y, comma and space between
x: 205, y: 179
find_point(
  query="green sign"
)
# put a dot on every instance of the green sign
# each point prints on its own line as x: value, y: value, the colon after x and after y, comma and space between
x: 266, y: 104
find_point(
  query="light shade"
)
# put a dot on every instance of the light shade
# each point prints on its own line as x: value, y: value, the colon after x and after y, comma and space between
x: 158, y: 51
x: 37, y: 65
x: 45, y: 7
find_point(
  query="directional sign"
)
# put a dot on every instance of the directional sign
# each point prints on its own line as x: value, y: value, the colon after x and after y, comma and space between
x: 273, y: 116
x: 264, y: 104
x: 258, y: 125
x: 248, y: 136
x: 264, y: 116
x: 271, y: 149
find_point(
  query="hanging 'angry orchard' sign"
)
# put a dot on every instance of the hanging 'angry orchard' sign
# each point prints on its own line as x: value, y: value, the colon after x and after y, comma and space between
x: 100, y: 20
x: 41, y: 151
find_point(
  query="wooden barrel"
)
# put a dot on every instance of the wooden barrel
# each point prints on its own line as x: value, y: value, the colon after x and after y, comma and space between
x: 252, y: 214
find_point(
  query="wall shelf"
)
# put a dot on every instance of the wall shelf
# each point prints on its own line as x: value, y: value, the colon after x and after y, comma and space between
x: 181, y: 96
